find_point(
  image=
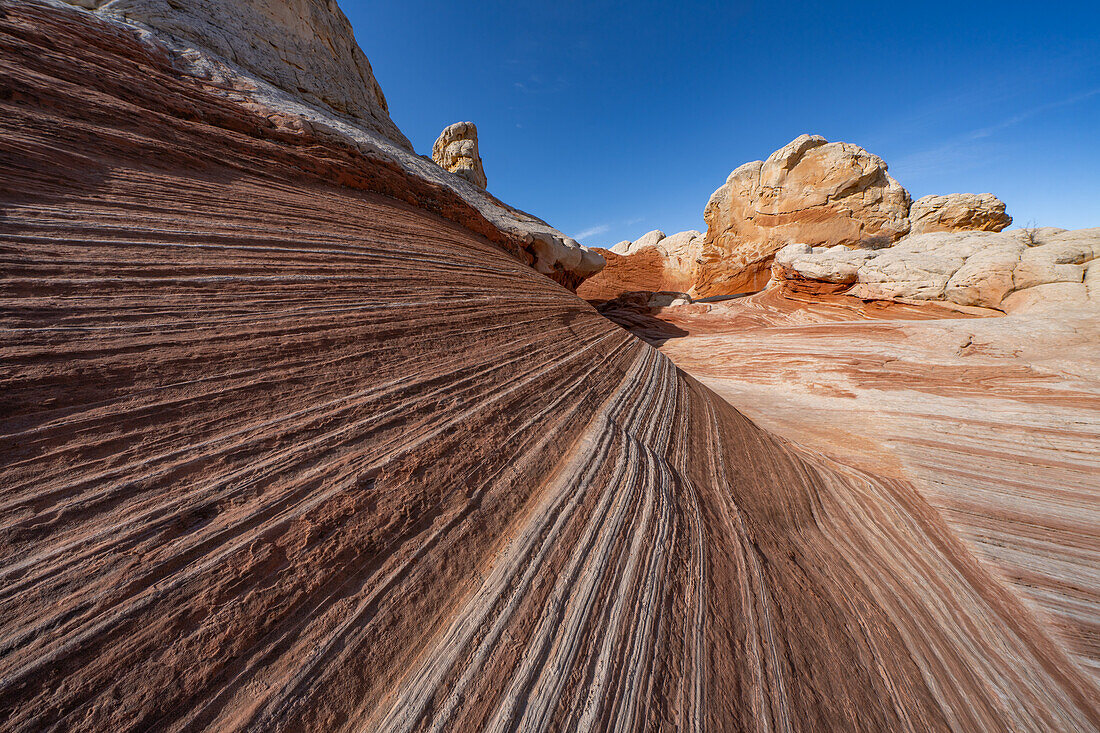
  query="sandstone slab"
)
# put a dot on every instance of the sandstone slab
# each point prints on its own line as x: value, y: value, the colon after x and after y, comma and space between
x: 293, y: 439
x: 995, y: 420
x: 958, y: 212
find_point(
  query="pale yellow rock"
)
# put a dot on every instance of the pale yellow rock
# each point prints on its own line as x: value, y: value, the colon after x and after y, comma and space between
x: 1049, y: 297
x: 1092, y: 280
x: 649, y: 239
x: 682, y: 251
x: 837, y: 264
x: 1050, y: 263
x: 456, y: 150
x: 955, y: 212
x: 974, y: 268
x: 985, y: 278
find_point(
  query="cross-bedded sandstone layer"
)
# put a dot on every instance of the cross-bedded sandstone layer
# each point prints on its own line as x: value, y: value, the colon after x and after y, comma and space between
x: 996, y: 420
x: 289, y: 440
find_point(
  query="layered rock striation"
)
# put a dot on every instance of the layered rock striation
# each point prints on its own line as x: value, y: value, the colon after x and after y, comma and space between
x: 303, y: 47
x: 994, y: 420
x: 296, y: 63
x: 292, y: 438
x: 958, y: 212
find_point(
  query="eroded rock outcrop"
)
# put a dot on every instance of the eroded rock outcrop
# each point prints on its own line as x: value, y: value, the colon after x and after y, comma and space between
x: 304, y: 47
x: 649, y: 239
x: 290, y: 439
x: 653, y: 262
x: 1044, y: 268
x: 810, y: 191
x: 993, y: 419
x: 955, y: 212
x: 456, y: 151
x: 295, y: 62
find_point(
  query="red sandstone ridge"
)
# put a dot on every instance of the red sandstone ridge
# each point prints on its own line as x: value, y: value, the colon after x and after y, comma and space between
x: 292, y: 439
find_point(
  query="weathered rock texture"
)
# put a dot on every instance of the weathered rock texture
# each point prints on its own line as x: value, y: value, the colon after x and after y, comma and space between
x: 288, y: 441
x: 304, y: 47
x: 956, y: 212
x: 456, y: 151
x: 995, y: 421
x: 810, y: 191
x: 1012, y: 271
x: 653, y: 262
x: 296, y: 62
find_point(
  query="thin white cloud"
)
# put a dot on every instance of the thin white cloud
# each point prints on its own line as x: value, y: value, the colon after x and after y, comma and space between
x: 972, y: 149
x: 593, y: 231
x: 987, y: 131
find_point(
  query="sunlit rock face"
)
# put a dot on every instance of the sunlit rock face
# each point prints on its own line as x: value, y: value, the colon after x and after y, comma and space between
x: 654, y: 263
x: 1013, y: 271
x: 810, y: 191
x: 456, y: 151
x: 993, y: 419
x: 956, y: 212
x: 303, y: 47
x: 296, y: 63
x: 294, y: 437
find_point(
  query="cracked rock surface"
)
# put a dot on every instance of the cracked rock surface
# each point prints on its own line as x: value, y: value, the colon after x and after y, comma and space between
x: 1013, y: 271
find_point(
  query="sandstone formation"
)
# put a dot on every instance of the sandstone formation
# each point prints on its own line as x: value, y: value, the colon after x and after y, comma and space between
x: 651, y: 263
x: 649, y: 239
x: 295, y: 63
x: 304, y: 47
x: 810, y: 191
x: 958, y: 212
x: 456, y: 150
x: 293, y: 438
x: 995, y: 421
x: 1012, y: 271
x: 641, y: 272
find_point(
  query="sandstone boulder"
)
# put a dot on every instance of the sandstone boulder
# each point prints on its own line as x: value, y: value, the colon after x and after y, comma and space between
x: 682, y: 252
x: 958, y: 212
x: 1010, y: 271
x: 456, y: 150
x: 649, y: 239
x: 828, y: 264
x: 985, y: 278
x: 810, y: 191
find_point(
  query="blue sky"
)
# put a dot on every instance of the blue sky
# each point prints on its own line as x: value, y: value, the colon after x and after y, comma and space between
x: 611, y: 119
